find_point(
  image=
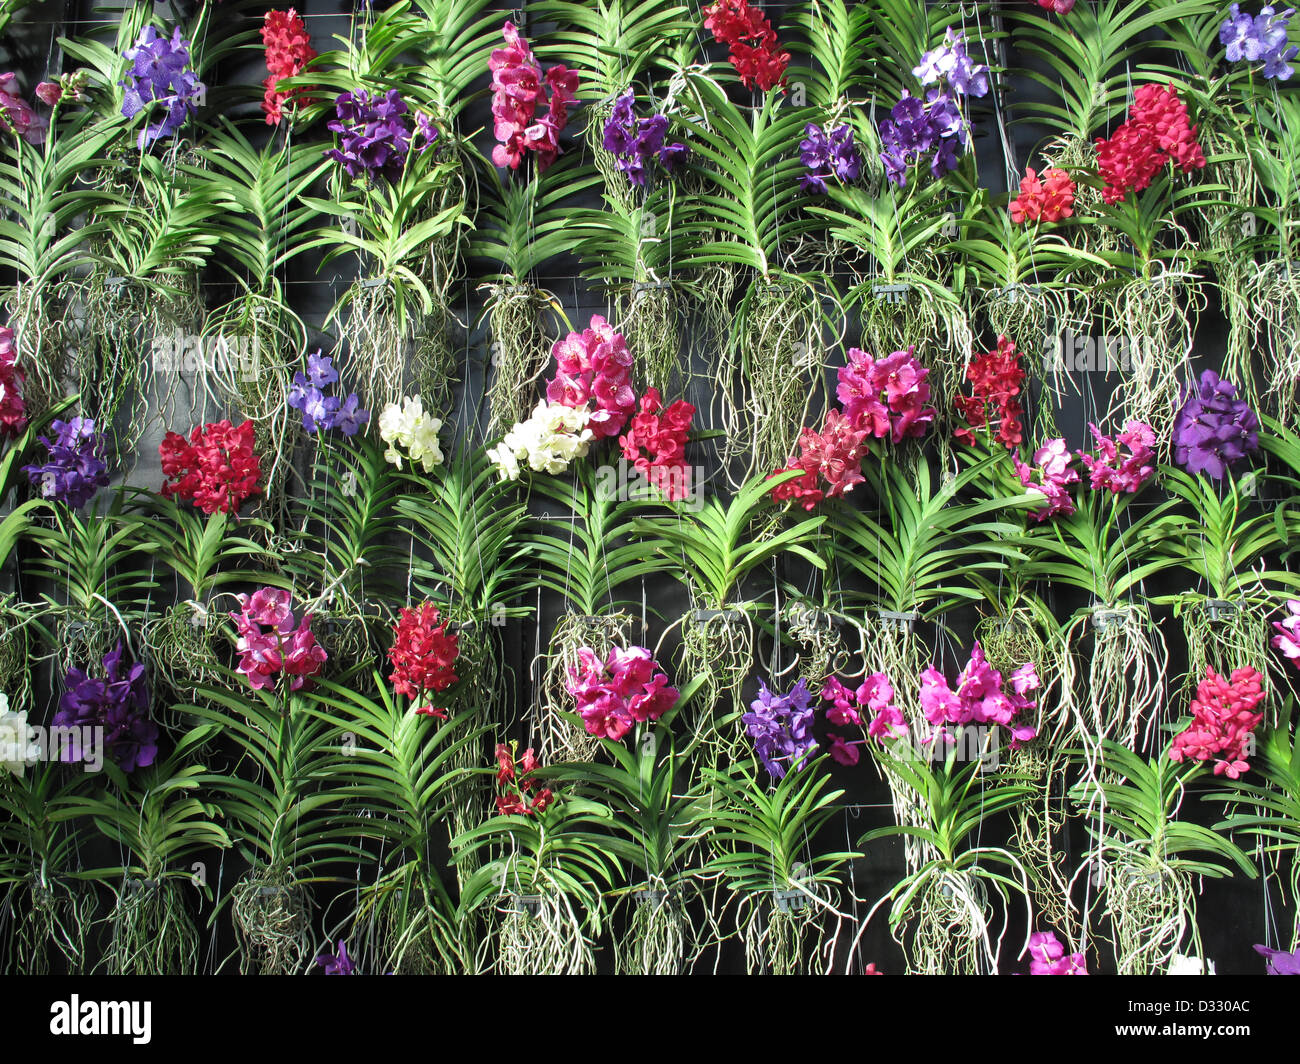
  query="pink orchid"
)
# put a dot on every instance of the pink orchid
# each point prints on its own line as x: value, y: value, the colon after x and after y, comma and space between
x: 1287, y: 639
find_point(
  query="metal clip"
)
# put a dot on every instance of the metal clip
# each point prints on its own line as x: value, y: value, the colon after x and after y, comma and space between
x: 891, y: 293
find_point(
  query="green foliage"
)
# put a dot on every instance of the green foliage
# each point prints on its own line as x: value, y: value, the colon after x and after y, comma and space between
x: 1140, y: 807
x: 596, y: 546
x: 917, y: 548
x: 464, y: 518
x: 713, y: 545
x: 764, y: 839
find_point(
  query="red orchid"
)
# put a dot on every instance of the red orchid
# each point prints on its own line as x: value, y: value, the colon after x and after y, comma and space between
x: 216, y: 469
x: 655, y: 443
x: 751, y: 40
x: 288, y: 51
x: 995, y: 379
x: 423, y: 655
x: 1046, y: 199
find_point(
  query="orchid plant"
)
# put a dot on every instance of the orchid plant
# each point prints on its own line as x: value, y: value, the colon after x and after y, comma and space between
x: 1147, y: 855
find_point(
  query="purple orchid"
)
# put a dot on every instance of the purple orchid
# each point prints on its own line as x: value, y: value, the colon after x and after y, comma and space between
x: 337, y: 963
x: 160, y: 73
x: 781, y: 727
x: 74, y: 470
x: 950, y: 62
x: 1279, y: 961
x: 117, y: 703
x: 916, y: 127
x: 320, y: 411
x: 635, y: 141
x: 1214, y: 428
x: 1259, y: 39
x: 374, y: 134
x: 827, y: 155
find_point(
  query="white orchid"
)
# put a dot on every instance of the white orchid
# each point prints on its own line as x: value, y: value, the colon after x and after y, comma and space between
x: 553, y: 436
x: 407, y: 428
x: 17, y: 750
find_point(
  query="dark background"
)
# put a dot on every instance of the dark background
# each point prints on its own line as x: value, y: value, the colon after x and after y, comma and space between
x: 1233, y: 914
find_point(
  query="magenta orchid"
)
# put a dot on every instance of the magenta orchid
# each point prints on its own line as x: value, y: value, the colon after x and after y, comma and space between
x: 270, y: 643
x: 618, y: 692
x: 1050, y: 476
x: 983, y: 696
x: 886, y: 396
x: 1049, y: 956
x: 1287, y: 639
x: 594, y: 372
x: 519, y: 90
x: 1123, y: 463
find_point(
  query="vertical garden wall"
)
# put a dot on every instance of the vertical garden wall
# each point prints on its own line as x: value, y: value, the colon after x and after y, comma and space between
x: 648, y: 487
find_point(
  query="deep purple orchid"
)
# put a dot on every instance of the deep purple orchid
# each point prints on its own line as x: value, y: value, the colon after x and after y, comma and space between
x: 375, y: 134
x: 634, y: 141
x: 337, y: 963
x: 74, y: 470
x: 916, y: 127
x: 828, y: 155
x: 117, y: 703
x: 1214, y: 428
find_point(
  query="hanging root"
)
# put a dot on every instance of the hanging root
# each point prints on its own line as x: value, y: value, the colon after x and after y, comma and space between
x: 255, y: 344
x: 1032, y: 317
x: 1039, y: 821
x: 1236, y: 638
x: 784, y: 931
x: 39, y: 319
x: 521, y: 352
x: 561, y: 739
x: 153, y: 932
x: 720, y: 647
x: 822, y: 649
x: 345, y: 637
x: 272, y: 923
x: 1149, y: 322
x: 57, y: 915
x: 1017, y: 637
x: 182, y: 647
x: 939, y: 329
x: 115, y: 358
x: 944, y: 927
x: 1274, y: 295
x: 15, y: 656
x: 1126, y: 672
x: 539, y: 934
x: 779, y: 352
x: 389, y: 347
x: 660, y: 938
x: 894, y: 648
x: 84, y: 639
x: 1150, y: 906
x: 648, y: 317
